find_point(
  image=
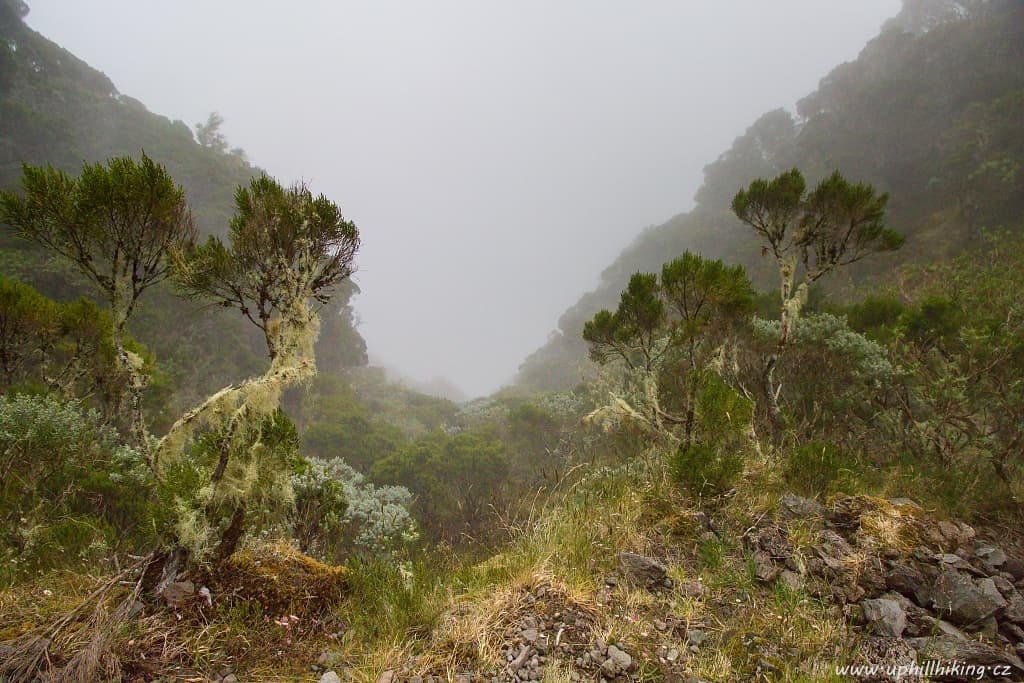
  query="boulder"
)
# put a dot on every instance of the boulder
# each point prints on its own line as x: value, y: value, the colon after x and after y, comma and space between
x: 642, y: 570
x: 885, y: 617
x: 909, y: 581
x: 963, y: 601
x: 991, y: 556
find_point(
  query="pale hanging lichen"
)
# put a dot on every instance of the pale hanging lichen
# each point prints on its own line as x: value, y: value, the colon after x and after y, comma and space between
x: 287, y: 250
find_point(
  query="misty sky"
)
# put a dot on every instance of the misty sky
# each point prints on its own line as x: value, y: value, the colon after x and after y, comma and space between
x: 496, y: 156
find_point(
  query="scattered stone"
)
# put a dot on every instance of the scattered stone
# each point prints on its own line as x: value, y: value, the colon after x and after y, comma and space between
x: 791, y: 580
x: 793, y: 506
x: 956, y: 562
x: 885, y: 617
x: 1014, y: 566
x: 642, y: 570
x: 230, y: 678
x: 1015, y: 608
x: 387, y: 677
x: 909, y: 581
x: 764, y: 569
x: 660, y: 625
x: 695, y: 637
x: 530, y: 635
x: 704, y: 521
x: 833, y: 550
x: 887, y: 652
x: 692, y: 589
x: 618, y: 661
x: 672, y: 655
x: 330, y: 677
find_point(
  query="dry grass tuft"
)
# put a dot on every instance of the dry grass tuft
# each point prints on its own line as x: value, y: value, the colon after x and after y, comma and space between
x: 476, y: 628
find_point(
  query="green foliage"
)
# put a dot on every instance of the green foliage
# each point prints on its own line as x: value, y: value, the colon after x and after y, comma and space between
x: 68, y: 491
x: 691, y: 311
x: 711, y: 465
x: 702, y: 292
x: 930, y: 118
x: 67, y: 348
x: 458, y: 481
x: 813, y: 469
x: 116, y: 222
x: 275, y: 231
x: 631, y: 332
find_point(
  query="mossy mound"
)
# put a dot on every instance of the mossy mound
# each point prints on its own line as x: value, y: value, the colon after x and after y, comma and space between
x: 281, y: 579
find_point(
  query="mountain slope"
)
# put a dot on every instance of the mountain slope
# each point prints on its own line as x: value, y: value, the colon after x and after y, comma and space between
x: 56, y: 109
x: 930, y: 112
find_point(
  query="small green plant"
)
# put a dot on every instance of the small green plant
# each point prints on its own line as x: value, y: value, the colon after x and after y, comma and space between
x: 814, y: 469
x: 712, y: 465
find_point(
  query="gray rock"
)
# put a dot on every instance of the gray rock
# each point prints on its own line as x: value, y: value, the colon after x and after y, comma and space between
x: 387, y: 677
x: 642, y: 570
x: 959, y: 598
x: 531, y: 635
x: 1015, y: 609
x: 764, y: 569
x: 230, y: 678
x: 520, y: 660
x: 695, y: 637
x: 833, y: 550
x: 988, y: 587
x: 885, y: 617
x: 620, y: 661
x: 672, y: 655
x: 943, y: 627
x: 660, y: 625
x: 1004, y: 585
x: 907, y: 580
x: 950, y: 648
x: 791, y: 580
x: 1014, y: 566
x: 991, y: 555
x: 330, y: 677
x: 692, y: 589
x: 796, y: 507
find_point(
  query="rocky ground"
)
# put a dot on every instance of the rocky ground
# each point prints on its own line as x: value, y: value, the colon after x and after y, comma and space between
x: 909, y: 588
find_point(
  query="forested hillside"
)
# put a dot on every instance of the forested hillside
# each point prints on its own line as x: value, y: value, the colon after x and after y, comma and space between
x: 55, y: 109
x: 929, y: 112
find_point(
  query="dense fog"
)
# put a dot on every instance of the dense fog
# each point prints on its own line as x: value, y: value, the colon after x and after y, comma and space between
x: 495, y: 156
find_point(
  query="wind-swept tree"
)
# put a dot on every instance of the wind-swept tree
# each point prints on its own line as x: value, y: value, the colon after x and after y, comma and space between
x: 810, y: 234
x: 287, y: 250
x: 116, y: 222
